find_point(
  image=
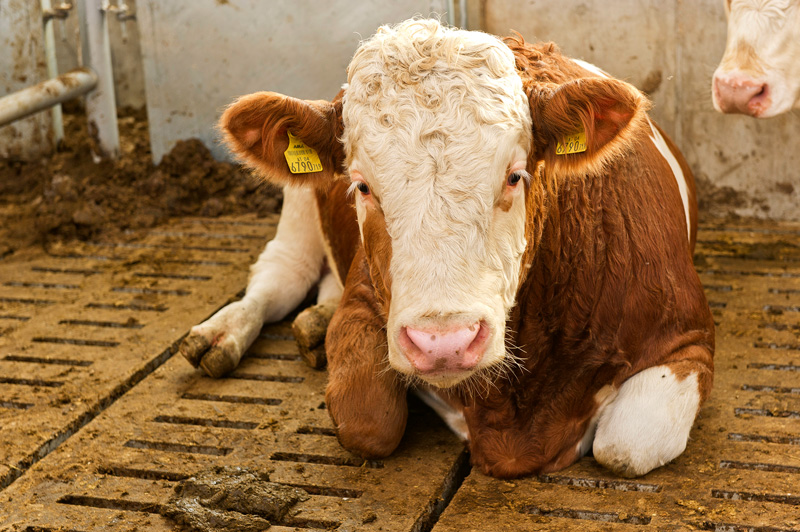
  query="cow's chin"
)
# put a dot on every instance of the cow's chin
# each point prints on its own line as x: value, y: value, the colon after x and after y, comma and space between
x: 446, y: 379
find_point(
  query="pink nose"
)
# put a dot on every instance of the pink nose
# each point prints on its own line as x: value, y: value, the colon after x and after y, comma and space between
x: 436, y: 350
x: 738, y: 94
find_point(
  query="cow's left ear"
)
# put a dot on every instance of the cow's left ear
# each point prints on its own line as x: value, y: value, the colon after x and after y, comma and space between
x: 284, y: 139
x: 582, y: 125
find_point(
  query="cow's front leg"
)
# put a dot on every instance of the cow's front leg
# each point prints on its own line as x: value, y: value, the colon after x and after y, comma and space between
x: 647, y: 425
x: 365, y: 398
x: 279, y: 280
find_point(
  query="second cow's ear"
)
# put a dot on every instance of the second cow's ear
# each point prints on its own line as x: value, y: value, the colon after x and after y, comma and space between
x: 284, y: 139
x: 582, y: 125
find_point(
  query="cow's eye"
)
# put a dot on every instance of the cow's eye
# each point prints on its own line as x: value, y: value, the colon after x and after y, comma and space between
x: 363, y: 188
x: 514, y: 178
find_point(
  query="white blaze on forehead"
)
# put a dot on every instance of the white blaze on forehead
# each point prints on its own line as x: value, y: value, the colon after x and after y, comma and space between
x: 433, y: 117
x: 661, y: 144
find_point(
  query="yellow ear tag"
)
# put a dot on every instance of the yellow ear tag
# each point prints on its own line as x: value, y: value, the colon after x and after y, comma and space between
x: 301, y: 158
x: 575, y: 143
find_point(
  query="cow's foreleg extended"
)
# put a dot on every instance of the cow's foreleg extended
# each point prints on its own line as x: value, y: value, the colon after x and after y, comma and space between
x: 648, y: 423
x: 365, y: 397
x: 285, y: 271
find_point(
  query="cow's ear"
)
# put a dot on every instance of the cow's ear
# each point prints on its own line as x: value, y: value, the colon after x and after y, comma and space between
x: 258, y: 129
x: 582, y: 125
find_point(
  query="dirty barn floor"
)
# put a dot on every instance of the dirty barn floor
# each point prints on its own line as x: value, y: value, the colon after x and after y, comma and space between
x: 99, y: 421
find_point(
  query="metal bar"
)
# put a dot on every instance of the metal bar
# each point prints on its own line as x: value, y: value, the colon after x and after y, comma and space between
x: 101, y: 106
x: 52, y: 68
x: 46, y: 94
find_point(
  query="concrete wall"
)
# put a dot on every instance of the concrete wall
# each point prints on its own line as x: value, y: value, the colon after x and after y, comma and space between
x: 201, y: 54
x: 669, y: 49
x: 22, y: 64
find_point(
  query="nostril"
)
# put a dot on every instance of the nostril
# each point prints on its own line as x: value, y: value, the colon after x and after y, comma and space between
x: 440, y: 343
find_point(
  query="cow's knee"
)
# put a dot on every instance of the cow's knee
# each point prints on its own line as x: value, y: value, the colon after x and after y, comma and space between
x: 648, y: 423
x: 370, y: 418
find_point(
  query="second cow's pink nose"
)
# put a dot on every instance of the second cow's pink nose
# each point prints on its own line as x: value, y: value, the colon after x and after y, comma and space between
x: 740, y: 95
x: 434, y: 350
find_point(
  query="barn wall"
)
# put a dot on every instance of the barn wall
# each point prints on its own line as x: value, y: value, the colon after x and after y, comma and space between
x: 670, y: 49
x: 201, y: 54
x: 22, y: 64
x: 126, y: 58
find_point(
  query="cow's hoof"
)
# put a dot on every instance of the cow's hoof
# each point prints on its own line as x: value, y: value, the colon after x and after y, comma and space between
x: 217, y: 344
x: 309, y: 328
x: 219, y: 361
x: 193, y: 347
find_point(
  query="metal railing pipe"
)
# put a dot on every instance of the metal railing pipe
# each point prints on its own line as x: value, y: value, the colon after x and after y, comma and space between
x: 46, y: 94
x: 101, y: 106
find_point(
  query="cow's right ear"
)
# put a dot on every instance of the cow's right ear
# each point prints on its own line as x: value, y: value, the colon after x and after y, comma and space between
x: 257, y: 129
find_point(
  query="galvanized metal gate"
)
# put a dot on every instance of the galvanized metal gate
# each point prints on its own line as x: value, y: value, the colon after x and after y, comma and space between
x: 98, y: 423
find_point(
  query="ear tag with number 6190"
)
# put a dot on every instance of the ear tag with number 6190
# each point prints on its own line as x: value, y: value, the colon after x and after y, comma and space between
x: 575, y: 143
x: 301, y: 158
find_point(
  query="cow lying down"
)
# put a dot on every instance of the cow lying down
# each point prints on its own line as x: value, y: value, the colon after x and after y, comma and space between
x: 504, y: 231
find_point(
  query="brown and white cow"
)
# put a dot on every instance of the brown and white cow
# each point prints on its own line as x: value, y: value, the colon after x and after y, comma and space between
x: 543, y: 302
x: 760, y: 72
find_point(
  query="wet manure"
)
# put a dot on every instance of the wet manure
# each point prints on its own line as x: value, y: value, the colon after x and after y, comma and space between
x: 231, y: 499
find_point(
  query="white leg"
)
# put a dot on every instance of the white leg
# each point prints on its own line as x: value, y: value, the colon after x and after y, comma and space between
x: 330, y: 290
x: 279, y: 280
x: 648, y: 423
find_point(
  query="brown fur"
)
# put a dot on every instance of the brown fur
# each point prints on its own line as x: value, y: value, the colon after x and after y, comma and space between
x: 378, y: 251
x: 367, y: 403
x: 337, y: 215
x: 607, y: 285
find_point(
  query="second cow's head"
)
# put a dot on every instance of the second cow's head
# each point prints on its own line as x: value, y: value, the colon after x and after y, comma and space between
x: 451, y: 149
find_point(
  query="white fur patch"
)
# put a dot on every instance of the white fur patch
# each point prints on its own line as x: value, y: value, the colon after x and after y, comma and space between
x: 594, y: 69
x: 661, y: 144
x: 648, y: 423
x: 452, y: 417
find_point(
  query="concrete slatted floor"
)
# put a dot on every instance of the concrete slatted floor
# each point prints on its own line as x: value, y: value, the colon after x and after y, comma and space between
x: 98, y: 422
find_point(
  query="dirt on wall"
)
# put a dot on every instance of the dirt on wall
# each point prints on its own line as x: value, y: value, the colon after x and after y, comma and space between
x: 69, y: 195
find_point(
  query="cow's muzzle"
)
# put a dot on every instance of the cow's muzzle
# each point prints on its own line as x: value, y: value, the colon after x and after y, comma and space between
x: 740, y: 94
x: 442, y: 351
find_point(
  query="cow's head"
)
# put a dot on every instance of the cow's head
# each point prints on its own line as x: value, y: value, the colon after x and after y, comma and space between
x: 452, y: 153
x: 760, y: 72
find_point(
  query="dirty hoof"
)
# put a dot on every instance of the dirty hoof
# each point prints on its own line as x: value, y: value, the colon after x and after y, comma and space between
x: 231, y: 498
x: 193, y: 347
x: 309, y: 330
x: 219, y: 361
